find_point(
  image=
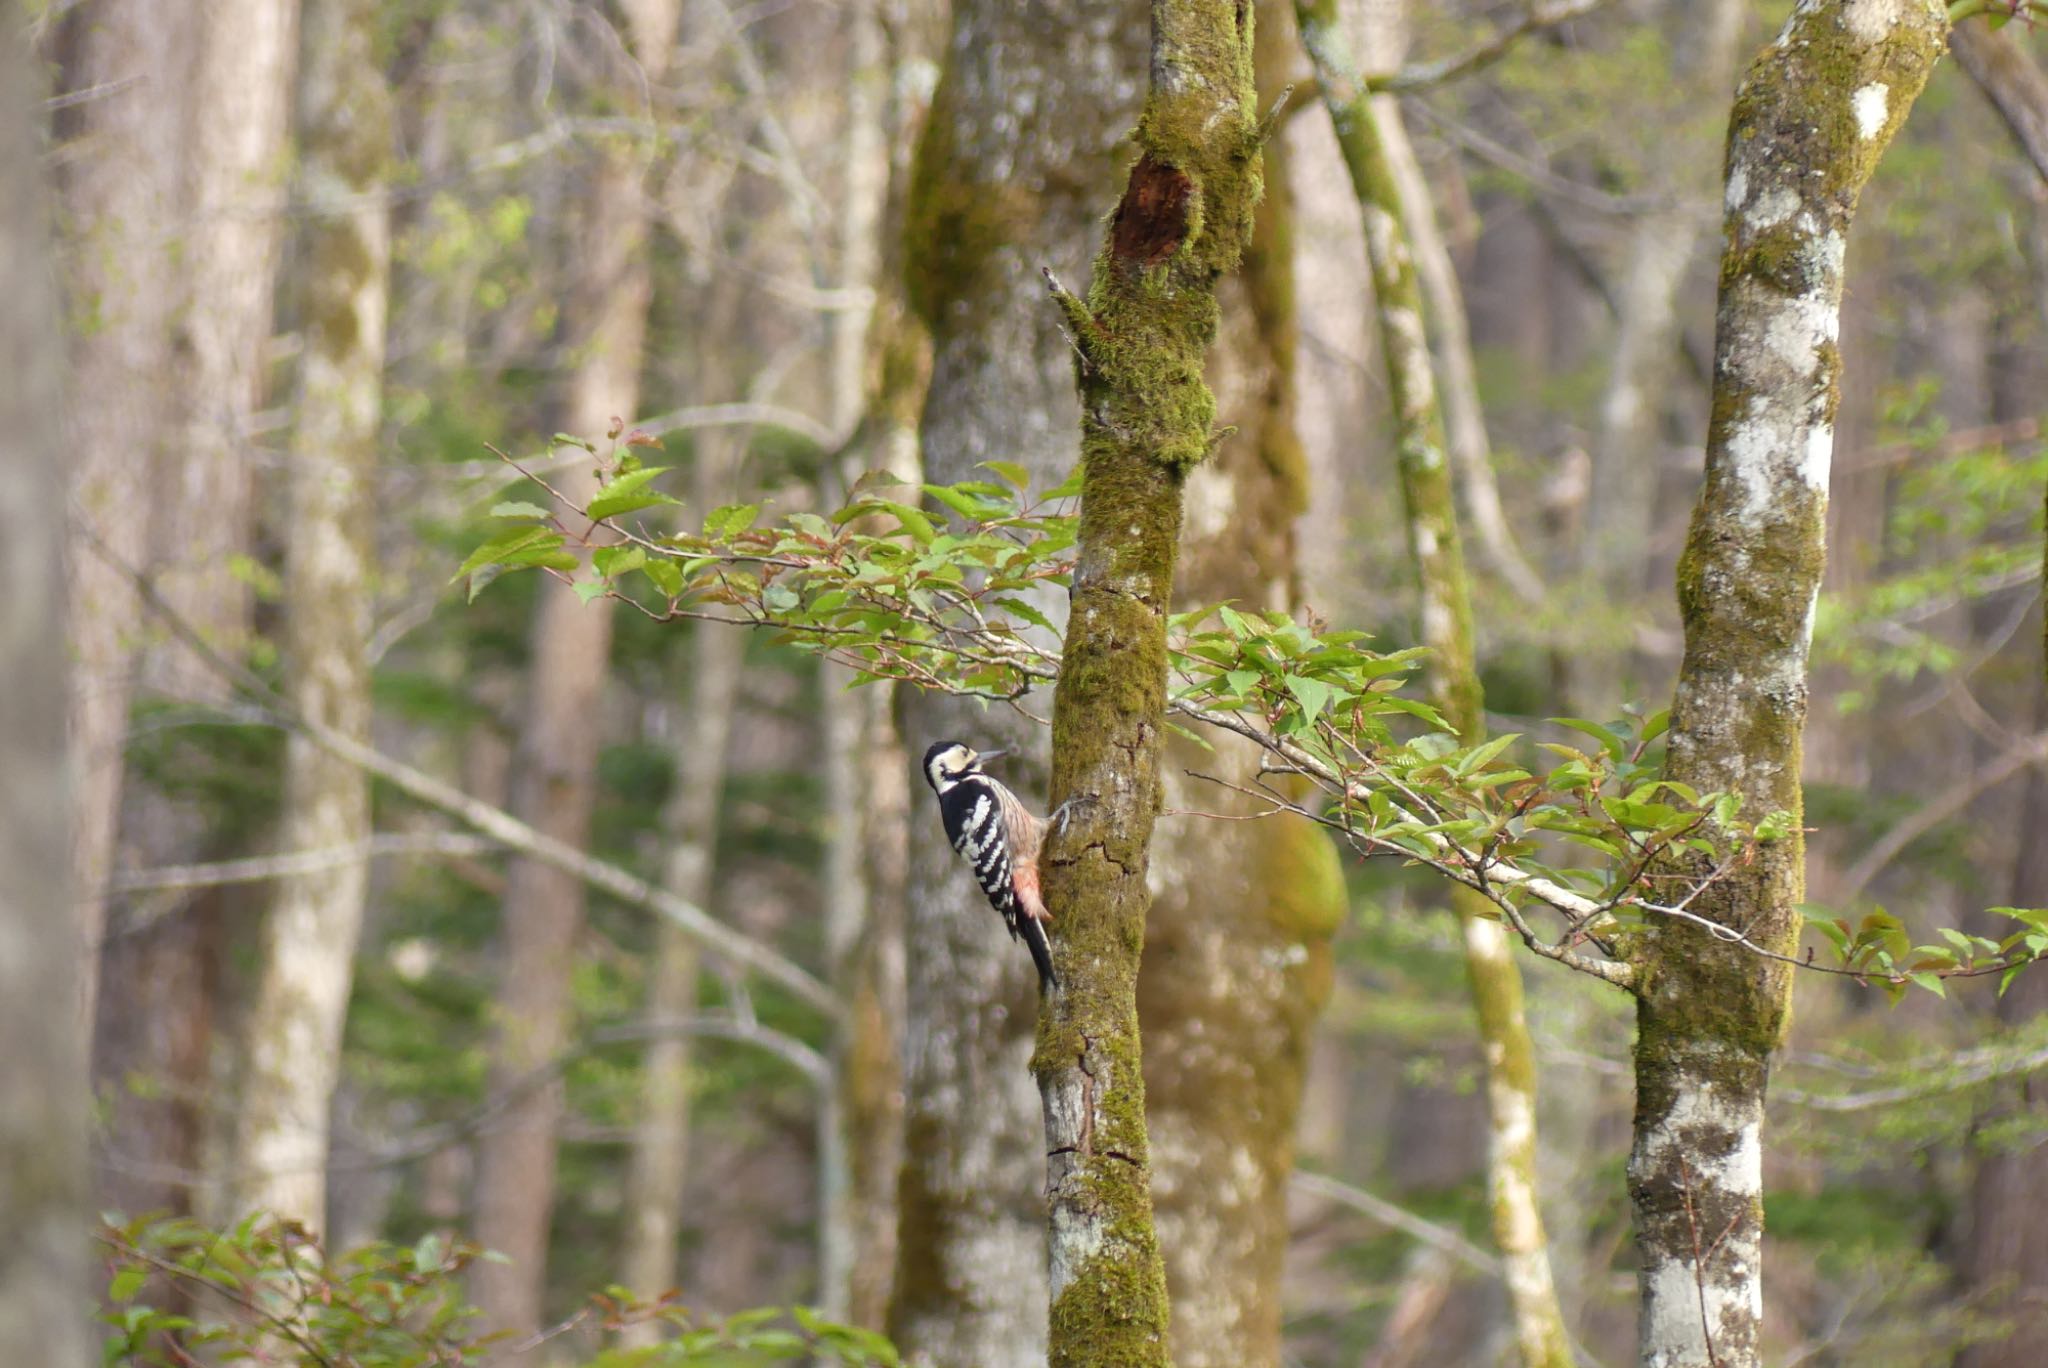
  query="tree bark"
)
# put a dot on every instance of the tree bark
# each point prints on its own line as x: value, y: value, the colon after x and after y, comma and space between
x: 42, y: 1095
x: 239, y: 135
x: 1436, y: 551
x: 156, y: 1019
x: 1814, y: 114
x: 1237, y: 960
x: 660, y: 1158
x: 2010, y: 79
x: 1147, y: 420
x: 122, y: 196
x: 2005, y: 1261
x: 554, y: 784
x: 309, y: 940
x: 1025, y: 125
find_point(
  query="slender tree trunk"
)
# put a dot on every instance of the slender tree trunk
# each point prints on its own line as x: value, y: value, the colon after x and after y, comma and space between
x: 1435, y: 547
x: 1142, y: 340
x: 156, y: 1018
x: 1814, y: 114
x: 1237, y: 946
x: 1022, y: 132
x: 122, y: 196
x: 852, y: 721
x: 2005, y: 1261
x: 310, y: 937
x: 239, y: 136
x: 554, y: 782
x: 660, y: 1159
x: 1661, y: 245
x: 2013, y: 82
x: 42, y: 1095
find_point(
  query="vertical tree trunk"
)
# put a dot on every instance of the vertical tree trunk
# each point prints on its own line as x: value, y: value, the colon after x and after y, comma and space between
x: 1147, y: 420
x: 1622, y: 501
x: 1815, y: 112
x: 554, y: 782
x: 1024, y: 128
x: 852, y: 722
x: 42, y: 1097
x: 157, y: 1013
x: 1237, y: 946
x: 2005, y: 1262
x: 239, y: 136
x: 309, y: 940
x: 1435, y: 547
x: 122, y: 195
x: 660, y: 1160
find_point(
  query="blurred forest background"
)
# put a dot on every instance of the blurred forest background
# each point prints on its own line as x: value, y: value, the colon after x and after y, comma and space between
x: 318, y: 258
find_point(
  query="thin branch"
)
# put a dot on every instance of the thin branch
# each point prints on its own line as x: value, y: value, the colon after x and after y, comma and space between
x: 1423, y: 75
x: 1982, y: 1066
x: 1935, y: 811
x: 495, y: 822
x: 1398, y: 1218
x: 262, y: 868
x: 739, y: 415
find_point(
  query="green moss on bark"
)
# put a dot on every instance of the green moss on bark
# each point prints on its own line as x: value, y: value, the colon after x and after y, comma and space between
x: 1815, y: 113
x: 1147, y: 420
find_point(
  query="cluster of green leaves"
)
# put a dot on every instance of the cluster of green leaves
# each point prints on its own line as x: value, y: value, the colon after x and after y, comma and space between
x: 877, y: 584
x: 264, y: 1291
x: 899, y: 592
x: 1878, y: 949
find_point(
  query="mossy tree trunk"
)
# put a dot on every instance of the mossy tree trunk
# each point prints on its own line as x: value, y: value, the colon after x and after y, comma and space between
x: 1813, y: 115
x: 43, y: 1205
x: 309, y: 938
x: 1025, y: 129
x: 1435, y: 548
x: 1237, y: 959
x: 1147, y: 420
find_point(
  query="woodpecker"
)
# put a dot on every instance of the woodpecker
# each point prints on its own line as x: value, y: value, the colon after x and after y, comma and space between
x: 999, y: 838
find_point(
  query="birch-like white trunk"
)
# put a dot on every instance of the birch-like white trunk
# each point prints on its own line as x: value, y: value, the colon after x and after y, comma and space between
x: 1363, y: 123
x: 309, y: 940
x: 1815, y: 112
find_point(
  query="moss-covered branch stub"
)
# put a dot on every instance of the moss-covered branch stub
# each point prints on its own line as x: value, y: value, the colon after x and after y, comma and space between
x: 1813, y: 116
x: 1147, y: 416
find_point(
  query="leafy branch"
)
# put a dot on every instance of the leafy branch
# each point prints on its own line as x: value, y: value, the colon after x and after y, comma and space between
x: 958, y: 601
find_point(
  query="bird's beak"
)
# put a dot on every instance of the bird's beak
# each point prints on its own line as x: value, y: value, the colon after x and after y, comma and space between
x: 991, y: 755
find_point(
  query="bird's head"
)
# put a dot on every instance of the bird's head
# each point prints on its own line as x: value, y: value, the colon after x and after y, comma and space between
x: 946, y: 763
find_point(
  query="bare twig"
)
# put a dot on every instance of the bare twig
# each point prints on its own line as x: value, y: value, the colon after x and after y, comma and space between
x: 495, y: 822
x: 1423, y: 75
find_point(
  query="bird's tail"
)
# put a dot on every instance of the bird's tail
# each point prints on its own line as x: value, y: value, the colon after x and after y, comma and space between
x: 1033, y: 932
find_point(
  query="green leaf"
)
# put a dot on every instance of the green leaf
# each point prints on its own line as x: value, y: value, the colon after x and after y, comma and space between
x: 519, y: 509
x: 780, y: 598
x: 1009, y: 472
x: 501, y: 549
x: 666, y: 576
x: 1312, y: 694
x: 587, y: 590
x: 1606, y: 736
x: 626, y: 493
x: 1930, y: 982
x: 1481, y: 756
x: 730, y: 521
x: 126, y: 1284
